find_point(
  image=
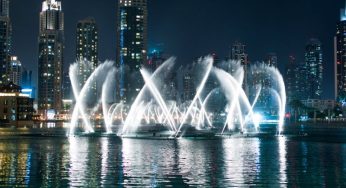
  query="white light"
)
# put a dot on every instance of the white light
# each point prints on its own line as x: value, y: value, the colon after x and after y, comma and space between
x: 54, y: 5
x: 257, y: 118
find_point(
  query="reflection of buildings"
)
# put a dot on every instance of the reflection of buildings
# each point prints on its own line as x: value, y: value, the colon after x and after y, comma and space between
x: 50, y: 62
x: 5, y: 40
x: 14, y: 105
x: 131, y: 46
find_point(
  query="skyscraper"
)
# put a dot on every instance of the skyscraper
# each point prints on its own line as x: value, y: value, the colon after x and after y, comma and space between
x: 15, y: 71
x: 5, y: 40
x: 314, y: 69
x: 271, y: 60
x: 292, y: 79
x: 340, y: 56
x: 238, y: 53
x: 5, y: 8
x: 87, y: 52
x: 131, y: 46
x: 50, y: 58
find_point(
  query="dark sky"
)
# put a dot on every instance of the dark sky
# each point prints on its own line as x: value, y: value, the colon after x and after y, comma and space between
x: 194, y: 28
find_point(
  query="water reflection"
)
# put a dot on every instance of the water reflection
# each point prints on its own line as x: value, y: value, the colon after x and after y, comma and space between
x: 78, y: 161
x: 109, y: 161
x: 148, y: 162
x: 241, y: 161
x: 282, y: 161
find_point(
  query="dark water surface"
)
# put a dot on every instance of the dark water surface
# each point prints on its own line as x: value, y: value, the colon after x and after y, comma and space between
x: 114, y: 162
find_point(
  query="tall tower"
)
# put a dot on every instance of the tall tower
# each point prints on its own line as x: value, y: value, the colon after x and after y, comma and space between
x: 314, y: 68
x: 15, y: 71
x: 131, y: 45
x: 50, y: 58
x: 5, y: 40
x: 271, y: 60
x: 5, y: 8
x: 87, y: 52
x: 340, y: 57
x: 292, y: 79
x: 238, y: 53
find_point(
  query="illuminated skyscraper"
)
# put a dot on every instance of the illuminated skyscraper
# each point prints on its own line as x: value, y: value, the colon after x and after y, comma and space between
x: 340, y: 56
x: 131, y: 46
x: 15, y: 71
x: 50, y: 59
x: 87, y: 52
x: 292, y: 79
x: 314, y: 69
x: 5, y: 40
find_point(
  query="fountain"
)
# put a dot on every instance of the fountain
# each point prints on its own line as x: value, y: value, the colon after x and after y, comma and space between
x: 175, y: 117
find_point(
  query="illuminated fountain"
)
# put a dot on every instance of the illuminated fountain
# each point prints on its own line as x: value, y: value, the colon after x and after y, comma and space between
x: 150, y: 108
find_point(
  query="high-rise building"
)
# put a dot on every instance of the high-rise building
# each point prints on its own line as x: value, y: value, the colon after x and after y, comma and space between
x: 87, y: 53
x: 5, y: 40
x: 292, y: 79
x: 5, y: 8
x: 15, y: 71
x: 131, y: 46
x: 238, y: 53
x: 189, y: 89
x: 155, y: 59
x: 87, y: 41
x: 26, y: 78
x: 271, y: 60
x: 50, y: 59
x: 340, y: 56
x: 67, y: 87
x: 314, y: 69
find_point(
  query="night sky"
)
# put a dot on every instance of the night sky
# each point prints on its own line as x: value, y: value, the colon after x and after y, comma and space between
x: 192, y: 28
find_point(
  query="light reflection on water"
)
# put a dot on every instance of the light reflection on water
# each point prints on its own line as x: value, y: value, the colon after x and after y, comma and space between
x: 109, y: 161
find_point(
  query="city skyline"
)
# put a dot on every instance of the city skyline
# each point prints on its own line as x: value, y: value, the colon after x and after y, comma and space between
x: 167, y: 24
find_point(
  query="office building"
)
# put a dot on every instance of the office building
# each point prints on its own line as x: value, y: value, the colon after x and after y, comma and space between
x: 87, y: 54
x: 50, y: 58
x: 313, y: 69
x: 131, y: 47
x: 15, y: 71
x: 5, y: 40
x: 238, y: 53
x: 340, y: 57
x: 16, y: 107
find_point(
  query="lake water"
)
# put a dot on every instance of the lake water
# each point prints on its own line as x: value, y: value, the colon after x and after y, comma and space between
x: 228, y: 162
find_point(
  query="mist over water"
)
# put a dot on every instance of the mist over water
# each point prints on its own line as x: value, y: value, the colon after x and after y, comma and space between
x: 151, y: 107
